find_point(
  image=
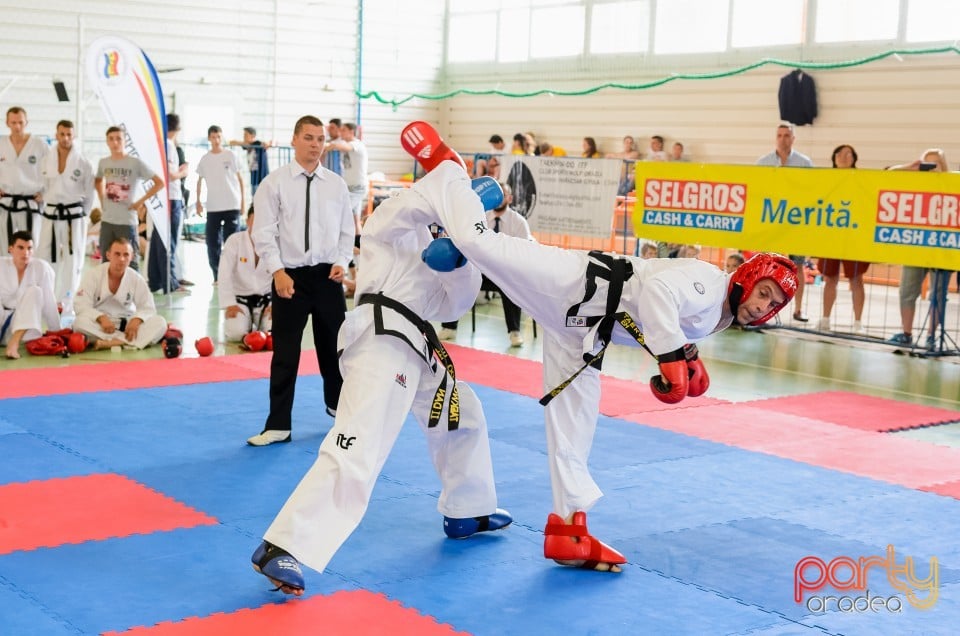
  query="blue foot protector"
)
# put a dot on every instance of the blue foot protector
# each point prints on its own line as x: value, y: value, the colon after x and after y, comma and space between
x: 278, y: 564
x: 489, y: 191
x: 463, y: 528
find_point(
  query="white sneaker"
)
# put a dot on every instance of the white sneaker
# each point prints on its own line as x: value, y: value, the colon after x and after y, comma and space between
x: 447, y: 334
x: 269, y: 437
x: 858, y: 328
x: 515, y: 339
x: 481, y: 299
x: 823, y: 325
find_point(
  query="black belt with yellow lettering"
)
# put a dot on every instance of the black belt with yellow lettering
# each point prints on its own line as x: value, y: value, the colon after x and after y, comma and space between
x: 434, y: 349
x: 617, y: 271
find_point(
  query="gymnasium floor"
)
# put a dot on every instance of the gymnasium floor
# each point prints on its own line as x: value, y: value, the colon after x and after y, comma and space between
x: 129, y: 502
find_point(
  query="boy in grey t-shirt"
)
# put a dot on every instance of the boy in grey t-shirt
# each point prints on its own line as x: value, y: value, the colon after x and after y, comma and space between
x: 118, y: 179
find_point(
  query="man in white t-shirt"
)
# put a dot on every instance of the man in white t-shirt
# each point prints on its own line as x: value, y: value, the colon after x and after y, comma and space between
x: 225, y: 196
x: 354, y: 158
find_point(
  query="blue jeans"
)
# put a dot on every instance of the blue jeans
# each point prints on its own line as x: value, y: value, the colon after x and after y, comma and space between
x: 220, y: 225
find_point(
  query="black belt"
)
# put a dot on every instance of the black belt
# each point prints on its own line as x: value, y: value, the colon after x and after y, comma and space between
x: 434, y: 348
x: 60, y: 213
x: 617, y: 271
x: 254, y: 301
x: 16, y: 200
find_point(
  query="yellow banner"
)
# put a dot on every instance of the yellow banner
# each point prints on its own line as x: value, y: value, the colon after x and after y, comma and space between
x: 877, y: 216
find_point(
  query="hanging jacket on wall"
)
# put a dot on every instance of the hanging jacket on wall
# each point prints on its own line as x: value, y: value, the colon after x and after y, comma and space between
x: 798, y: 98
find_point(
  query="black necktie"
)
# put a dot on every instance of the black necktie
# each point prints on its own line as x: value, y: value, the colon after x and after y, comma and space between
x: 496, y: 224
x: 306, y: 217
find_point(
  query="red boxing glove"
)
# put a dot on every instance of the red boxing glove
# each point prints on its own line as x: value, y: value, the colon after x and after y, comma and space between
x: 699, y: 380
x: 672, y: 383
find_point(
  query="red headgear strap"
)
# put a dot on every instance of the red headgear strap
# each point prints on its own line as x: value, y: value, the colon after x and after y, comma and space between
x: 776, y: 267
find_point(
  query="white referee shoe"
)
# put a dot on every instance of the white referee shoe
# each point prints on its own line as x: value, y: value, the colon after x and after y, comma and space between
x: 269, y: 437
x: 447, y: 334
x: 516, y: 339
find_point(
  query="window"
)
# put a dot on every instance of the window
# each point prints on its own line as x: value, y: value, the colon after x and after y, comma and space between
x: 514, y: 35
x: 620, y: 27
x: 932, y: 20
x: 765, y: 23
x: 857, y: 20
x: 463, y: 45
x: 676, y: 32
x: 557, y: 31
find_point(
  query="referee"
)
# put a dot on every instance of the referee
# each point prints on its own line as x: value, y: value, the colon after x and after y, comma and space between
x: 303, y: 231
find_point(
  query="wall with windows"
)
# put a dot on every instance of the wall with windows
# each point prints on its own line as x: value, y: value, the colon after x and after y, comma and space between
x: 260, y: 63
x: 890, y: 110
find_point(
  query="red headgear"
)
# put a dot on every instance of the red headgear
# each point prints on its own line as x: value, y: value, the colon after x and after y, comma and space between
x: 780, y: 269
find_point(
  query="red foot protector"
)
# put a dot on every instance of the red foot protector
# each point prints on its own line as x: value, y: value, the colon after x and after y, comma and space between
x: 46, y: 514
x: 358, y: 613
x: 558, y: 546
x: 422, y: 140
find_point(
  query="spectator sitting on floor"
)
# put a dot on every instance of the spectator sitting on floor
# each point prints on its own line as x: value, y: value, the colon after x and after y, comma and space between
x: 114, y: 305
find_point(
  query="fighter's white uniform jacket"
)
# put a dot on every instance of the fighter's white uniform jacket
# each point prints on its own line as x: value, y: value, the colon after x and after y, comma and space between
x: 38, y: 274
x: 239, y: 273
x: 390, y: 247
x: 132, y: 300
x: 662, y: 294
x: 73, y: 185
x: 21, y: 174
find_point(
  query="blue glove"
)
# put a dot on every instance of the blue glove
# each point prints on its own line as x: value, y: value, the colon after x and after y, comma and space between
x: 489, y: 191
x: 443, y: 256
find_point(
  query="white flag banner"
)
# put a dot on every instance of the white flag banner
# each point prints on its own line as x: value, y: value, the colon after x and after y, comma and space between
x: 564, y: 195
x: 130, y: 94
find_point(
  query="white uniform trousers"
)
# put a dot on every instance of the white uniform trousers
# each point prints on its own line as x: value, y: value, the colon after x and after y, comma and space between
x: 234, y: 329
x: 28, y: 315
x: 150, y: 332
x: 545, y: 281
x: 383, y: 380
x: 70, y: 239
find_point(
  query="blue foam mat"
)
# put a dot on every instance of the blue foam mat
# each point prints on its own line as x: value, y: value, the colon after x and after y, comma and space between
x: 712, y: 533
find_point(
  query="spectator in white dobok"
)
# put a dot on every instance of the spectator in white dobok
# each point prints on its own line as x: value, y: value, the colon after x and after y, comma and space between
x: 114, y: 305
x: 26, y: 295
x: 244, y: 286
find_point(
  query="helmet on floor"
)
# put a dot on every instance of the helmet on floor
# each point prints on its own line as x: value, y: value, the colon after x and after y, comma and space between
x: 172, y: 347
x: 780, y: 269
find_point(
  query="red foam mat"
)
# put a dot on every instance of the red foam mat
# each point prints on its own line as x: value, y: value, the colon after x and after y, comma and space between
x: 358, y: 613
x: 141, y: 374
x: 45, y: 514
x: 525, y: 377
x: 894, y: 459
x: 863, y: 412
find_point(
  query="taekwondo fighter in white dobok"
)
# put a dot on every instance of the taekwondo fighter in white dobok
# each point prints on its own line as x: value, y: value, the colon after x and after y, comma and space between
x: 244, y: 286
x: 114, y: 304
x: 21, y: 180
x: 26, y: 295
x: 393, y: 363
x: 583, y: 302
x: 68, y: 197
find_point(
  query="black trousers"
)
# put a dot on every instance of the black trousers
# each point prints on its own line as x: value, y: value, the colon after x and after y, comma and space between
x: 317, y: 297
x: 511, y: 313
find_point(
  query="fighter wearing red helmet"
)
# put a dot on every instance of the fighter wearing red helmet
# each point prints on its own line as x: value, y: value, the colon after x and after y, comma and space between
x: 583, y: 302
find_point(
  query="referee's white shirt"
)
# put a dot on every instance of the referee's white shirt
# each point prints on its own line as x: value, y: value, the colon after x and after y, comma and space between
x: 278, y: 225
